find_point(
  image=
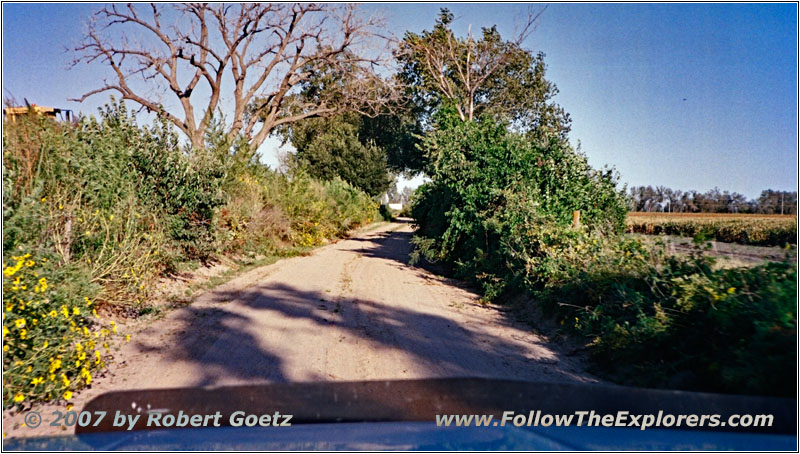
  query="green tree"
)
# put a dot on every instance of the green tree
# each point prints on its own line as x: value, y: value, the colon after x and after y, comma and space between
x: 330, y: 148
x: 481, y: 75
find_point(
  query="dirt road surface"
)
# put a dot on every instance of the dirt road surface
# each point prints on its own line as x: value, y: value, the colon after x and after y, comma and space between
x: 353, y: 310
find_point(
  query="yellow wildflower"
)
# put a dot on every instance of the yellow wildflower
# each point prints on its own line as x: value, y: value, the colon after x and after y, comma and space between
x: 68, y: 395
x: 19, y: 398
x: 20, y: 323
x: 11, y: 270
x: 75, y: 311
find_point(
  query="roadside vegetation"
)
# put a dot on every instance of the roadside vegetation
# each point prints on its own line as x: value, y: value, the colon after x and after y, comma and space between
x: 648, y: 318
x: 753, y: 229
x: 498, y: 212
x: 94, y: 212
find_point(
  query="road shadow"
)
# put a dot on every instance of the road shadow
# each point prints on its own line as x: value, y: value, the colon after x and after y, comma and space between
x: 224, y: 349
x: 219, y: 339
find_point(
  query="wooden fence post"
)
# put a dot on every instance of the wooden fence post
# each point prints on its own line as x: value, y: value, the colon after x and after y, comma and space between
x: 576, y: 219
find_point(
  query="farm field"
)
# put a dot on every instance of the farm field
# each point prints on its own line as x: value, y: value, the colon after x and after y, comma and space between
x: 751, y: 229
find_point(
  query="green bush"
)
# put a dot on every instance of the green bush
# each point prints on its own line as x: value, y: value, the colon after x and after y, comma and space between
x: 186, y: 188
x: 665, y: 321
x: 72, y: 192
x: 480, y: 171
x: 498, y: 211
x: 52, y: 341
x: 94, y: 212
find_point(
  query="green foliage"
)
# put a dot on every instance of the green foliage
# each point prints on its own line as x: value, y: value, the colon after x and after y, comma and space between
x: 94, y: 212
x: 666, y: 321
x: 331, y: 148
x: 51, y: 341
x: 486, y: 180
x: 512, y: 85
x: 498, y: 211
x: 184, y: 187
x: 72, y: 192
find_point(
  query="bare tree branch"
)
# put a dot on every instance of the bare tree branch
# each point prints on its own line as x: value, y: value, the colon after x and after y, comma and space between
x: 254, y: 55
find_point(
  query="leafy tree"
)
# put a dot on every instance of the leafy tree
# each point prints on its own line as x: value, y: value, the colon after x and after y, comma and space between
x: 330, y: 148
x: 777, y: 202
x: 481, y: 75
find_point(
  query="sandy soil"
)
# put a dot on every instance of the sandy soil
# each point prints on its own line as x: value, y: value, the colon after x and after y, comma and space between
x: 353, y: 310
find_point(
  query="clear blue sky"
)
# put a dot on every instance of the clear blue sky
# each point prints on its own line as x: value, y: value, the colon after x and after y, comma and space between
x: 685, y: 95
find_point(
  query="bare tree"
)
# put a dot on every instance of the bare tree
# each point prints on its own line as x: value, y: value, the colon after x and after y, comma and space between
x: 258, y: 54
x: 470, y: 72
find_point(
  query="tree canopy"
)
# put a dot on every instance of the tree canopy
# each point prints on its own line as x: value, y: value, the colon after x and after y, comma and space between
x: 331, y: 147
x: 481, y: 75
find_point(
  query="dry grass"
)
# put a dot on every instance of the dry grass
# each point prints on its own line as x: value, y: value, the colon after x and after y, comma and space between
x: 755, y: 229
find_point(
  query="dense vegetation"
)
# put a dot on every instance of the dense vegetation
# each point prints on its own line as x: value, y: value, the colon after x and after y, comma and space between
x: 93, y: 212
x: 760, y: 230
x: 498, y: 210
x: 488, y: 182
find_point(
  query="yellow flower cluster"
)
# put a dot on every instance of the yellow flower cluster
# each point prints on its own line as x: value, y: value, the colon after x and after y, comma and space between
x: 51, y: 346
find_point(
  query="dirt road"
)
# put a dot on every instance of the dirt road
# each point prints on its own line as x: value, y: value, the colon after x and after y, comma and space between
x: 353, y: 310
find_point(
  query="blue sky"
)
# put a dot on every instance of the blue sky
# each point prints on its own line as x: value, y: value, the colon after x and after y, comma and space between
x: 689, y: 96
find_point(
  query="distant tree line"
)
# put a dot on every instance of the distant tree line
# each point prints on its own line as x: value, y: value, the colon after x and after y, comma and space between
x: 663, y: 199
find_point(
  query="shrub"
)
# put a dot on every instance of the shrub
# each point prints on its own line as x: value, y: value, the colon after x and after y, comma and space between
x: 479, y: 170
x: 497, y: 210
x: 73, y: 194
x: 51, y: 342
x: 657, y: 320
x: 186, y: 188
x: 93, y: 212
